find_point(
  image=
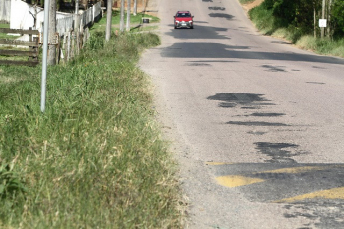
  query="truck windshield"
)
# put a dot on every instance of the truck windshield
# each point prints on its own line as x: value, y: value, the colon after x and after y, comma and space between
x: 183, y: 15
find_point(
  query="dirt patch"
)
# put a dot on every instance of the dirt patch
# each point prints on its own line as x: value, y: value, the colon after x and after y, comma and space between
x: 251, y: 5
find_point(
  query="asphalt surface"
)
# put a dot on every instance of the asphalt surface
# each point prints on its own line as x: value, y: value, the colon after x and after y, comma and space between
x: 255, y: 123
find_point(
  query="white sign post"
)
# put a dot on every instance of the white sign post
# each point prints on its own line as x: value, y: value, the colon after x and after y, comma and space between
x: 322, y: 23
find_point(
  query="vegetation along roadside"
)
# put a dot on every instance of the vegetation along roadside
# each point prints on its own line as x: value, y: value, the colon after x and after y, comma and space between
x: 95, y: 158
x: 135, y: 22
x: 297, y: 22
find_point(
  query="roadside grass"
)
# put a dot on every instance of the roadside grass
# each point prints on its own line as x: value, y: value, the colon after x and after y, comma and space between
x: 324, y: 46
x: 147, y: 28
x: 134, y: 21
x: 95, y: 157
x: 264, y: 21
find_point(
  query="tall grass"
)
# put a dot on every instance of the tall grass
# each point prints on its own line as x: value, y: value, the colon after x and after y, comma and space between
x: 95, y: 158
x: 263, y: 19
x: 324, y: 46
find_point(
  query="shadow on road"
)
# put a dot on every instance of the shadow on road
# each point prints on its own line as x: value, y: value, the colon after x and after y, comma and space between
x: 218, y: 50
x: 199, y: 32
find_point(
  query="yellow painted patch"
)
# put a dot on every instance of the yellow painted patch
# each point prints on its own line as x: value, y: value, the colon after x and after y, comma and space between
x: 302, y: 169
x: 296, y: 169
x: 236, y: 181
x: 335, y: 193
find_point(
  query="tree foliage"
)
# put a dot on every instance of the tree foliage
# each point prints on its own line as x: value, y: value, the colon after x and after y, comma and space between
x: 300, y: 14
x: 338, y: 16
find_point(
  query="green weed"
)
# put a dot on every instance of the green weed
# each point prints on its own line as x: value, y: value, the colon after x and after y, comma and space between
x: 134, y: 21
x: 307, y: 42
x: 10, y: 183
x: 94, y: 158
x: 263, y: 19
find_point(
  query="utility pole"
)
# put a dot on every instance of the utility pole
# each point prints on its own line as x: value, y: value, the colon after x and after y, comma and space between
x: 314, y: 20
x: 44, y: 57
x: 128, y: 14
x: 76, y: 25
x: 108, y: 20
x: 135, y: 7
x: 121, y: 24
x: 52, y: 33
x: 329, y: 10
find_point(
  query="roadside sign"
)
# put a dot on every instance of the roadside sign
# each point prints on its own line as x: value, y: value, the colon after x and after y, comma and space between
x: 322, y: 23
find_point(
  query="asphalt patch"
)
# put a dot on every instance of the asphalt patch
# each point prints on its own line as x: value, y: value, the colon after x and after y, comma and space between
x: 238, y: 97
x: 220, y: 15
x: 271, y: 68
x: 256, y: 123
x: 202, y: 32
x: 278, y: 151
x: 253, y: 108
x: 216, y: 8
x: 315, y: 83
x: 318, y: 212
x: 199, y: 64
x: 257, y: 132
x: 245, y: 100
x: 281, y: 42
x: 267, y: 114
x: 319, y: 67
x: 226, y: 105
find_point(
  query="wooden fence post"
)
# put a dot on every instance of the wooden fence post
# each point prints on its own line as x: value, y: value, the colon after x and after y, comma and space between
x: 31, y: 48
x: 73, y: 44
x: 58, y: 47
x: 64, y: 55
x: 35, y: 49
x: 68, y: 45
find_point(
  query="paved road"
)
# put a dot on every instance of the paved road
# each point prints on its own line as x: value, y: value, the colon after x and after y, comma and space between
x: 256, y: 124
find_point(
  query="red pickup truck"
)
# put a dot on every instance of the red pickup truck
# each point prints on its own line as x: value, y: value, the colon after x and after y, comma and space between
x: 183, y: 19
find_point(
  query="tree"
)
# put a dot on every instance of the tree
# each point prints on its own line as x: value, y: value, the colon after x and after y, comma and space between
x: 135, y: 7
x: 128, y: 14
x: 52, y: 33
x: 121, y: 24
x: 108, y: 20
x: 338, y: 17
